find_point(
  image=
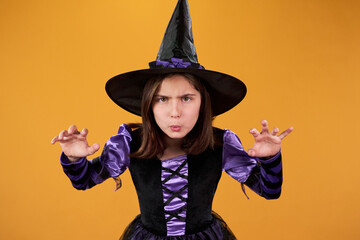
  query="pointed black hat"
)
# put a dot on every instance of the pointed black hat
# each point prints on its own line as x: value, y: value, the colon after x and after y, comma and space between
x: 177, y: 54
x: 178, y: 40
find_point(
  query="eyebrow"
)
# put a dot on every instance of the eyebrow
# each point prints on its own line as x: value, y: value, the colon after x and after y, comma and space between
x: 184, y: 95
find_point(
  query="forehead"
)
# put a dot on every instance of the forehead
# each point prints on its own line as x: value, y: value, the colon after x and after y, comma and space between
x: 176, y: 84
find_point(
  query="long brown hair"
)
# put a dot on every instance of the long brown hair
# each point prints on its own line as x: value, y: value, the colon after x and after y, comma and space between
x: 199, y: 139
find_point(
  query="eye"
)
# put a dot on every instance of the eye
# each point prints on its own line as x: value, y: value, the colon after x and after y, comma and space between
x: 162, y: 99
x: 186, y: 99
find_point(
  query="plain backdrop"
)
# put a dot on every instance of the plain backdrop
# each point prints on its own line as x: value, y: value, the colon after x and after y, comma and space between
x: 299, y: 60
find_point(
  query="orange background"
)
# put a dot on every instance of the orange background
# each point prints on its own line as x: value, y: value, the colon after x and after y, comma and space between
x: 299, y: 60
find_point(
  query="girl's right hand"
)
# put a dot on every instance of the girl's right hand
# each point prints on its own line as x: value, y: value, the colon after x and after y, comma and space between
x: 74, y: 143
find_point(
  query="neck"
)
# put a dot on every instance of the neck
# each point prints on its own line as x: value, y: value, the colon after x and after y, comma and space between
x: 173, y: 148
x: 172, y: 142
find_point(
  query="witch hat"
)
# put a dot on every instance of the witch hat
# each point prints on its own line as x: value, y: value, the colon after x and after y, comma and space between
x: 177, y: 54
x: 178, y: 40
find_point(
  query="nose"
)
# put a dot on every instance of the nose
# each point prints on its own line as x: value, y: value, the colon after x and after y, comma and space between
x: 175, y: 111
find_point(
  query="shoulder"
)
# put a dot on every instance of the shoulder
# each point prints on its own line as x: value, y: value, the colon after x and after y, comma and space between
x: 229, y: 139
x: 218, y: 131
x: 225, y: 136
x: 123, y: 136
x: 136, y: 136
x: 218, y: 136
x: 129, y: 131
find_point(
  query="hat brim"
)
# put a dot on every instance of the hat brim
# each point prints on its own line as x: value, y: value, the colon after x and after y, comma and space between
x: 225, y: 91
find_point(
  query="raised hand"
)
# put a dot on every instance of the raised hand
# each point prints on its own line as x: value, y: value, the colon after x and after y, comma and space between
x: 267, y: 144
x: 74, y: 143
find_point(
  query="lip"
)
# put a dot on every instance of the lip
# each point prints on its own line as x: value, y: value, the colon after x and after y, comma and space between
x: 175, y: 128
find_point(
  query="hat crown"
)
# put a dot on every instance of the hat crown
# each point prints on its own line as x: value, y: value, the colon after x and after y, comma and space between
x: 178, y: 39
x: 177, y: 54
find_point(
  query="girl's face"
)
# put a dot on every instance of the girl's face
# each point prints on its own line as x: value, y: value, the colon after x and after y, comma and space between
x: 176, y: 106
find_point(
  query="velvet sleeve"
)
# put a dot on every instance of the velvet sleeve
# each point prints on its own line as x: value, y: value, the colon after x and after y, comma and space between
x: 262, y: 176
x: 114, y: 160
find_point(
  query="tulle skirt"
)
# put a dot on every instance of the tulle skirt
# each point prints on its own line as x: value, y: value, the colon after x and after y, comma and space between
x: 217, y: 230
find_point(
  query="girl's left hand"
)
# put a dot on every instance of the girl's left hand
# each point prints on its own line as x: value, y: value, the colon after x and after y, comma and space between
x: 267, y: 144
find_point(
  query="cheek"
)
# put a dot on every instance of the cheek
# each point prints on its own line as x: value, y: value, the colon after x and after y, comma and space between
x: 158, y: 114
x: 194, y: 113
x: 196, y: 116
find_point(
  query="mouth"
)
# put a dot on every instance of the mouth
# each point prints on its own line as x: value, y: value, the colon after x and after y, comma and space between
x: 175, y: 128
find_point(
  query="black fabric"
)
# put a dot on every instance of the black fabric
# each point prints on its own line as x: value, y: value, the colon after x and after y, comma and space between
x: 178, y: 39
x: 173, y: 173
x: 256, y: 177
x: 272, y: 164
x: 126, y: 89
x: 177, y: 194
x: 204, y: 172
x: 217, y: 230
x: 100, y: 168
x: 192, y: 65
x: 146, y: 175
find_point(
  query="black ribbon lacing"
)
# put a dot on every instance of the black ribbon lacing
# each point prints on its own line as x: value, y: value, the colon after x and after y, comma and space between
x: 176, y: 194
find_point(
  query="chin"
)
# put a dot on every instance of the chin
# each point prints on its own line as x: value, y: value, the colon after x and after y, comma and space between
x: 176, y: 135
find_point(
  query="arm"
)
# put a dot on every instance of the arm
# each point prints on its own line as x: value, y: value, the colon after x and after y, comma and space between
x: 113, y: 161
x: 260, y: 168
x: 266, y: 177
x: 84, y: 174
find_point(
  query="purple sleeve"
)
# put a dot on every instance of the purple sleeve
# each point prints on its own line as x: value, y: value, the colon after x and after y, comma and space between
x: 262, y: 176
x: 113, y: 161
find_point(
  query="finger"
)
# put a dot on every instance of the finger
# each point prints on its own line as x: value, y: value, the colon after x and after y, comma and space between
x: 275, y: 131
x: 73, y: 130
x: 254, y: 132
x: 62, y: 134
x: 84, y: 132
x: 251, y: 152
x: 54, y: 140
x: 265, y: 126
x: 286, y: 132
x: 93, y: 148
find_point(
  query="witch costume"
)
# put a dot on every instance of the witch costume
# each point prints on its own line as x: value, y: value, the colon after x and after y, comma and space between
x: 175, y: 195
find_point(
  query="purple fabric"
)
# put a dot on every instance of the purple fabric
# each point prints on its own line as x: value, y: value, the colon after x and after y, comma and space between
x: 73, y: 165
x: 236, y: 162
x: 175, y: 63
x: 266, y: 175
x: 115, y: 156
x: 267, y: 190
x: 272, y: 178
x: 113, y: 161
x: 239, y: 165
x: 275, y: 169
x: 77, y: 171
x: 175, y: 227
x: 216, y: 230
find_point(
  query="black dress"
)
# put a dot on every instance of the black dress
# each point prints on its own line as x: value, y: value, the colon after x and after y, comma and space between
x: 175, y: 195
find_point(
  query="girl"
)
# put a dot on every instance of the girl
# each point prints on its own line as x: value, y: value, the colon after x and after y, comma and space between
x: 175, y: 156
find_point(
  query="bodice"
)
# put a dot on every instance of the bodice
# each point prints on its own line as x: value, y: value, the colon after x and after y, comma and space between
x: 176, y: 195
